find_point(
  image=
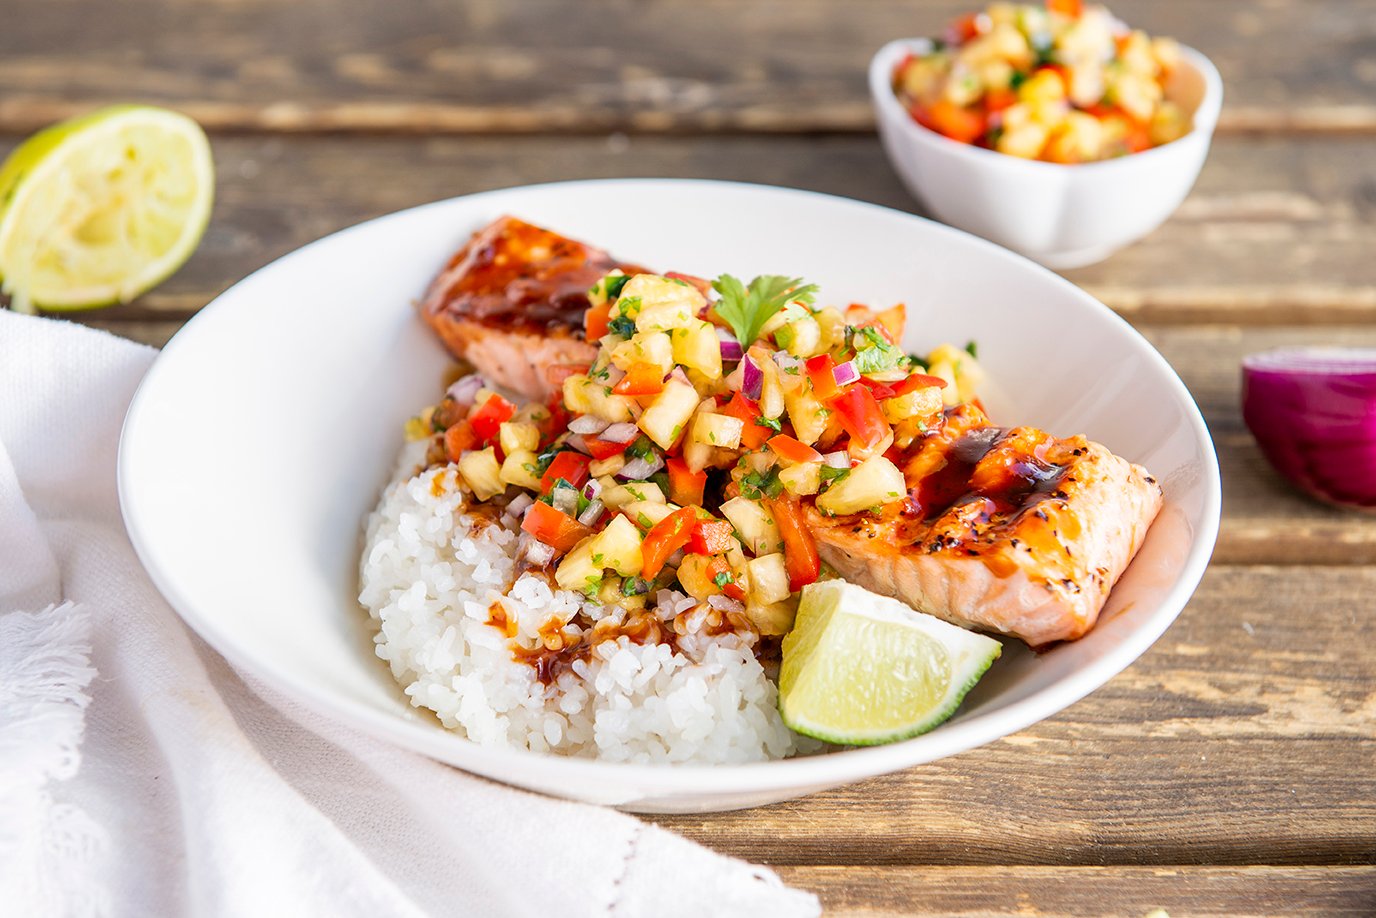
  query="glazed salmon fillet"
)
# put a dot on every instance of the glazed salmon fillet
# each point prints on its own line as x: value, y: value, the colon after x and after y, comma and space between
x: 511, y: 303
x: 1007, y: 530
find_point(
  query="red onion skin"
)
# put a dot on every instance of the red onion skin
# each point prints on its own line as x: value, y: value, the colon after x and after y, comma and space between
x: 1317, y: 429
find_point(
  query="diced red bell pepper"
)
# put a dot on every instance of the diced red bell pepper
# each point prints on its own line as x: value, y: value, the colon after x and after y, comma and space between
x: 965, y: 28
x: 891, y: 322
x: 664, y: 538
x: 951, y: 120
x: 487, y: 418
x: 557, y: 422
x: 1071, y: 8
x: 879, y: 390
x: 791, y: 449
x: 641, y: 379
x: 819, y: 370
x: 996, y: 100
x: 685, y: 485
x: 568, y: 465
x: 718, y: 566
x: 801, y: 560
x: 860, y: 416
x: 605, y: 449
x: 458, y: 438
x: 753, y: 435
x: 596, y: 321
x: 917, y: 381
x: 554, y: 527
x: 712, y: 537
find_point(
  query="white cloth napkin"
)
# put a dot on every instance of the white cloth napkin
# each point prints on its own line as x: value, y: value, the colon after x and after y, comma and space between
x: 197, y: 791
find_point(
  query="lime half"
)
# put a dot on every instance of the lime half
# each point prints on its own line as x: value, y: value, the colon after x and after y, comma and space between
x: 98, y: 209
x: 862, y: 669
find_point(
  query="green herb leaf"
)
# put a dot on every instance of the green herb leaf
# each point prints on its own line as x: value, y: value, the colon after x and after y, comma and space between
x: 828, y: 473
x: 756, y: 485
x: 614, y: 284
x: 746, y: 310
x: 622, y: 327
x: 722, y: 579
x: 773, y: 424
x: 972, y: 349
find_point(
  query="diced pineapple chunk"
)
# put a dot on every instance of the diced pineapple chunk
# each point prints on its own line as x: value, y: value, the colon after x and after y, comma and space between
x: 480, y: 469
x: 667, y: 416
x: 518, y: 470
x: 1025, y: 140
x: 645, y: 513
x: 803, y: 478
x: 609, y: 466
x: 697, y: 347
x: 915, y: 404
x: 872, y: 483
x: 773, y: 619
x: 664, y: 304
x: 807, y: 414
x: 630, y: 492
x: 721, y: 430
x: 652, y: 347
x: 801, y: 337
x: 618, y: 547
x: 832, y: 327
x: 578, y: 391
x: 768, y: 579
x: 516, y: 436
x: 597, y: 294
x: 1042, y: 86
x: 1078, y: 139
x: 754, y: 525
x: 578, y: 571
x: 771, y: 389
x: 693, y: 576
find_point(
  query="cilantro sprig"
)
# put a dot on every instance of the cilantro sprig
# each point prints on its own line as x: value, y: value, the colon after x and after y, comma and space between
x: 747, y: 309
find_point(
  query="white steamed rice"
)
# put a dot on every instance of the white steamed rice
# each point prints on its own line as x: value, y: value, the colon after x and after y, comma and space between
x: 429, y: 577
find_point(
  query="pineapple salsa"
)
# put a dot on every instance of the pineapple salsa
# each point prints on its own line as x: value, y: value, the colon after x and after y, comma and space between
x: 1064, y: 83
x: 684, y: 454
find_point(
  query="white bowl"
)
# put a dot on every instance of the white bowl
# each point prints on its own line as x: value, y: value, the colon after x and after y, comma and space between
x: 1064, y: 216
x: 265, y: 430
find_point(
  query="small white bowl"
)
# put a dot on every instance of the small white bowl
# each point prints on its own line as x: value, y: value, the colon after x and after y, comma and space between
x: 264, y: 432
x: 1064, y: 216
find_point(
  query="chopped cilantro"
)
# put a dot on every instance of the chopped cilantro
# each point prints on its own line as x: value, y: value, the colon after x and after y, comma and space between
x: 597, y: 557
x: 628, y: 307
x: 641, y: 448
x: 874, y: 354
x: 582, y: 505
x: 634, y: 586
x: 661, y: 479
x: 762, y: 484
x: 828, y: 473
x: 614, y: 284
x: 594, y: 584
x: 746, y: 310
x: 644, y: 521
x: 772, y: 423
x: 972, y: 349
x: 622, y: 326
x: 722, y: 579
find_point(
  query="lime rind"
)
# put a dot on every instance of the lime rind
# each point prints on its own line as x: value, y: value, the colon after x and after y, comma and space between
x: 861, y: 669
x: 37, y: 174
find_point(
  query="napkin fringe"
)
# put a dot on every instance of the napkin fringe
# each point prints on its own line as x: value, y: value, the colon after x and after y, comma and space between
x: 46, y: 847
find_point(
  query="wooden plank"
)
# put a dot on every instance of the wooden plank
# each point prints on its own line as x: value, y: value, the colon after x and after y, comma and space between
x: 541, y: 65
x: 1049, y: 892
x: 1246, y: 735
x: 1277, y: 231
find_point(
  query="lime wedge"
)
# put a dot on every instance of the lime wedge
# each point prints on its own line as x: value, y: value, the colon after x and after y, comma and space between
x: 862, y: 669
x: 98, y: 209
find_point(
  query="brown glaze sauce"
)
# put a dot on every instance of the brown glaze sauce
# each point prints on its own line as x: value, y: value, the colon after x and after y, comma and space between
x: 519, y: 277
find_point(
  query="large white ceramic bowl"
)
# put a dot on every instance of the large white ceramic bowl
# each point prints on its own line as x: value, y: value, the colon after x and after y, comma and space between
x: 1064, y: 216
x: 263, y: 433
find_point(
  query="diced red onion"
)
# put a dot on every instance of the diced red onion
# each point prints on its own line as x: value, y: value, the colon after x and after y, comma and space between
x: 837, y: 460
x: 725, y: 603
x: 593, y: 489
x: 753, y: 379
x: 614, y: 374
x: 465, y: 390
x: 565, y: 500
x: 846, y: 373
x: 640, y: 469
x: 537, y: 553
x: 624, y: 432
x: 519, y: 504
x: 730, y: 348
x: 786, y: 361
x: 576, y: 441
x: 1313, y: 413
x: 587, y: 424
x: 591, y: 513
x: 680, y: 376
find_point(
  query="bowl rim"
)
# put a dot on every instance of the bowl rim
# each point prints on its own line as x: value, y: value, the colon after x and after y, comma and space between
x: 777, y: 775
x: 890, y: 111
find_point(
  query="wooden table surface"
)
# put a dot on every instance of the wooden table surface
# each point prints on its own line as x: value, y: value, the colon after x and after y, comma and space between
x: 1231, y: 770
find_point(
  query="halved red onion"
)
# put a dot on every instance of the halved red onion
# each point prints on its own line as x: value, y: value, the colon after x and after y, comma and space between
x: 725, y: 603
x: 1313, y: 413
x: 837, y: 460
x: 846, y: 373
x: 587, y: 424
x: 752, y: 380
x: 466, y: 389
x: 624, y: 432
x: 640, y: 469
x: 591, y: 513
x: 730, y: 348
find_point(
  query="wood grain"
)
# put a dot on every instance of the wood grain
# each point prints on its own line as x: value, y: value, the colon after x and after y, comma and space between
x: 1246, y: 735
x: 1278, y: 230
x: 546, y: 65
x: 1049, y: 892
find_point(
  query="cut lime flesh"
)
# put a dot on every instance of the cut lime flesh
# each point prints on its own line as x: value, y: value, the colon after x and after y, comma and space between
x: 860, y: 669
x: 98, y: 209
